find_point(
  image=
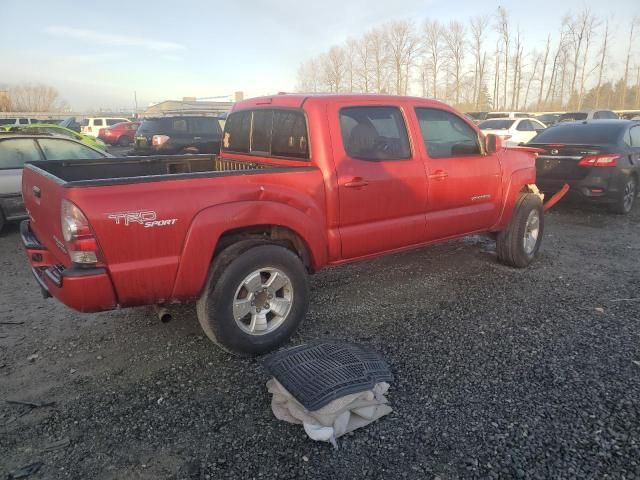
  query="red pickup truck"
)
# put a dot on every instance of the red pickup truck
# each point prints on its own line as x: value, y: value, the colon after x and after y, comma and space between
x: 302, y: 182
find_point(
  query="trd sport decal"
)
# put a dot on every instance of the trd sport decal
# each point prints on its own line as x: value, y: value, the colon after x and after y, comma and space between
x: 147, y: 218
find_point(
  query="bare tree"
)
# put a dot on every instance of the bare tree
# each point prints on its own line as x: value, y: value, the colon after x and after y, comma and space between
x: 454, y: 37
x: 532, y: 76
x: 363, y: 58
x: 433, y: 39
x: 333, y: 65
x: 505, y: 33
x: 380, y: 57
x: 478, y: 27
x: 517, y: 72
x: 625, y: 78
x: 603, y: 61
x: 34, y: 98
x: 547, y: 49
x: 402, y: 44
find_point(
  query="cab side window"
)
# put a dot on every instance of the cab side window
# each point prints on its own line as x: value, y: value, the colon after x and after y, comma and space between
x: 15, y: 152
x: 374, y: 133
x: 446, y: 135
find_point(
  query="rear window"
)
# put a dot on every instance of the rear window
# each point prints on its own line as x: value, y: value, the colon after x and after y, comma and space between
x: 15, y: 152
x: 496, y: 125
x: 151, y: 127
x: 7, y: 121
x: 496, y: 115
x: 581, y: 134
x: 272, y: 132
x: 205, y: 126
x: 573, y: 116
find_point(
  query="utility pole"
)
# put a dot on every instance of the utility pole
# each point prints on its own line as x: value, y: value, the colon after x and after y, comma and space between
x: 135, y: 102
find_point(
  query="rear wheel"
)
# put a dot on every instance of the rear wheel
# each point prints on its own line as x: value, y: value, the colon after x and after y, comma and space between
x: 627, y: 197
x: 124, y: 141
x: 255, y: 298
x: 518, y: 245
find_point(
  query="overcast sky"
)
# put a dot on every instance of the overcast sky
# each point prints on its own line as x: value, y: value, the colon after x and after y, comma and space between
x: 98, y: 53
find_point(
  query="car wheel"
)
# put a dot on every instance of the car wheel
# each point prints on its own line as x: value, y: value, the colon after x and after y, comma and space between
x: 255, y: 298
x: 519, y: 243
x: 124, y: 141
x: 627, y: 197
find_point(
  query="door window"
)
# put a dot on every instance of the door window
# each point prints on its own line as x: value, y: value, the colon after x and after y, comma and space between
x: 59, y: 149
x: 525, y: 126
x: 16, y: 151
x: 374, y: 133
x: 179, y: 125
x: 204, y: 126
x: 97, y: 122
x: 634, y: 134
x: 446, y: 135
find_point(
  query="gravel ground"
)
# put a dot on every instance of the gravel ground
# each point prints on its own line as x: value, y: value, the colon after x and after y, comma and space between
x: 500, y: 373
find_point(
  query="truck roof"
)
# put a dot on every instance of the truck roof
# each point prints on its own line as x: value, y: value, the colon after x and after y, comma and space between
x: 296, y: 100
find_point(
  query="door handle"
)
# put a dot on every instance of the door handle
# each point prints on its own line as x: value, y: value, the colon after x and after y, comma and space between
x: 439, y: 175
x: 356, y: 183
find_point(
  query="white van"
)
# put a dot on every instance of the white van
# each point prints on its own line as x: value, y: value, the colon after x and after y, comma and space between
x: 92, y: 125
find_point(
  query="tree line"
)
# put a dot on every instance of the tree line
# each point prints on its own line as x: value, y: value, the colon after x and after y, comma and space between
x: 485, y: 64
x: 27, y: 97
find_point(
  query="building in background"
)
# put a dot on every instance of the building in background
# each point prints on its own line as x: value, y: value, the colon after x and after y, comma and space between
x: 192, y: 106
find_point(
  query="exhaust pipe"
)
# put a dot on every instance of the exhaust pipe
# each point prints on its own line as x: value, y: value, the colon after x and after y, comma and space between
x: 163, y: 314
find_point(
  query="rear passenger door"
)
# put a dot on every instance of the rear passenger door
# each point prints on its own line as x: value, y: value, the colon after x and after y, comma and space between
x: 464, y: 184
x: 381, y: 181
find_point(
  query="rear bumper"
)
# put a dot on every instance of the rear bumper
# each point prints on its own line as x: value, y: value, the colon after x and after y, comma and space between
x: 592, y: 188
x: 83, y: 289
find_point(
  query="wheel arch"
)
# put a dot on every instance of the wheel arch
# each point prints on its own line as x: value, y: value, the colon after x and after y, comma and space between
x: 216, y: 228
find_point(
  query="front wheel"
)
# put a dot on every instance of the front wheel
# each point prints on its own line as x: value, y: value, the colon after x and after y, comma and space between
x: 254, y: 299
x: 518, y: 245
x: 626, y: 198
x: 124, y: 141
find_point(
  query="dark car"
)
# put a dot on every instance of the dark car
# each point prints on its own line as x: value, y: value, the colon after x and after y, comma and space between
x: 599, y: 159
x: 588, y: 115
x: 180, y: 134
x: 548, y: 118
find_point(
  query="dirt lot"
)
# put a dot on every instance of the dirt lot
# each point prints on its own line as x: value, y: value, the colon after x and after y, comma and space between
x: 500, y: 373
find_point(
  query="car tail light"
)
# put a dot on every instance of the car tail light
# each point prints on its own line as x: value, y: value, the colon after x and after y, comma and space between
x: 158, y: 140
x: 599, y: 161
x: 81, y: 243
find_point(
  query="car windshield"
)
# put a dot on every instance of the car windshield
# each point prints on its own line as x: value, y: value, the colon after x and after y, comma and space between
x: 573, y: 116
x: 150, y: 126
x: 496, y: 125
x: 581, y: 134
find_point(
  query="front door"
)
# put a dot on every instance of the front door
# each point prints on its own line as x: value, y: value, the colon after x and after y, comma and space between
x: 381, y: 182
x: 464, y: 184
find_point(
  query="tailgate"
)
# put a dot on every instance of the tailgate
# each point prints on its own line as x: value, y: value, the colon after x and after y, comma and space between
x: 43, y: 195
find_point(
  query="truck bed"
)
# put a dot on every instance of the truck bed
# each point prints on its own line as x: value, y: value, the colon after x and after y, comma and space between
x: 124, y: 170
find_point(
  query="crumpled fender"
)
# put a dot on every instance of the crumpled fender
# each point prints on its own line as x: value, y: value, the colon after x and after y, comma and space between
x: 519, y: 179
x: 209, y: 225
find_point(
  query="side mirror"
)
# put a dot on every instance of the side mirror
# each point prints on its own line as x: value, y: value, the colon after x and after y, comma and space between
x: 492, y: 143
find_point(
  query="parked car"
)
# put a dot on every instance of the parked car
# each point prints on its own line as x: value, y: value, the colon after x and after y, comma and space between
x: 548, y: 119
x: 16, y: 121
x: 511, y: 115
x: 18, y: 148
x: 588, y: 115
x: 303, y: 182
x: 53, y: 129
x: 122, y: 133
x: 599, y: 159
x: 71, y: 123
x: 179, y: 134
x: 476, y: 117
x: 92, y: 125
x: 513, y: 131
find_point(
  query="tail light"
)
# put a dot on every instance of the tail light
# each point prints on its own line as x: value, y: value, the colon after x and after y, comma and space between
x: 158, y: 140
x: 599, y: 161
x: 81, y: 243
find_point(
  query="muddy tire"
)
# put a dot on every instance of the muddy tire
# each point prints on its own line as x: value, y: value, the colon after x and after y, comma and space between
x: 518, y: 245
x: 626, y: 198
x: 255, y: 298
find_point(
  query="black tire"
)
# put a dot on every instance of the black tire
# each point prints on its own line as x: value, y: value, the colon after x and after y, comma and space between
x: 124, y: 141
x: 2, y: 221
x: 510, y: 244
x: 627, y: 197
x: 231, y: 268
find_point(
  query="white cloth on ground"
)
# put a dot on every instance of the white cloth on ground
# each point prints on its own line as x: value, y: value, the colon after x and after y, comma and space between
x: 340, y: 416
